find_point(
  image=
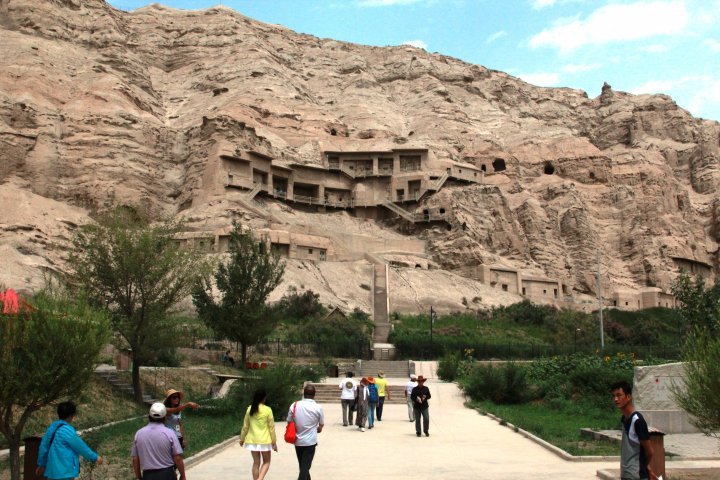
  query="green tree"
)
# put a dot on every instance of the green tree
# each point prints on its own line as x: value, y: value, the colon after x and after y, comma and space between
x: 700, y: 394
x: 244, y: 281
x: 48, y: 350
x: 136, y: 271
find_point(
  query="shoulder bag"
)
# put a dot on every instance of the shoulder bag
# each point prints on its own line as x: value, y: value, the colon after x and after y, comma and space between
x: 290, y: 432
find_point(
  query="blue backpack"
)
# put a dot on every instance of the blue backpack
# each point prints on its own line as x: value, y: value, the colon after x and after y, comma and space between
x: 373, y: 393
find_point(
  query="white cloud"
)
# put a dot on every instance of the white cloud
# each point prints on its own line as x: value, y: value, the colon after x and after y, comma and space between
x: 577, y: 68
x: 540, y: 4
x: 542, y: 79
x: 496, y: 36
x: 615, y: 23
x: 655, y: 48
x: 416, y: 43
x: 659, y: 86
x: 697, y: 93
x: 385, y: 3
x: 713, y: 44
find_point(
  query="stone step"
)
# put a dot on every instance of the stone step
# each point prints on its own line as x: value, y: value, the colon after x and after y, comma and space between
x: 330, y: 393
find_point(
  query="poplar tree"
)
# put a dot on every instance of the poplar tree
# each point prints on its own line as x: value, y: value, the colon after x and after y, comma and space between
x: 700, y: 393
x: 244, y: 281
x: 138, y: 273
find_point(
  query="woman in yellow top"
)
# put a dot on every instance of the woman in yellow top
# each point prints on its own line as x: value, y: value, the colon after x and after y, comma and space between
x: 258, y: 434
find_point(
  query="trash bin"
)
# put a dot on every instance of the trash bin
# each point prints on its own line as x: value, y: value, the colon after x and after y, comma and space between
x: 32, y: 447
x: 657, y: 440
x: 333, y: 371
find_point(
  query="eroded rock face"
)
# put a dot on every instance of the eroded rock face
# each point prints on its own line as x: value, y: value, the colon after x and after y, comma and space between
x: 100, y: 107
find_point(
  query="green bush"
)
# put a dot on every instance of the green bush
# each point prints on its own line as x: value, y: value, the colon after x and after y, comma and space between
x: 524, y: 313
x: 283, y: 383
x: 505, y: 384
x: 448, y: 367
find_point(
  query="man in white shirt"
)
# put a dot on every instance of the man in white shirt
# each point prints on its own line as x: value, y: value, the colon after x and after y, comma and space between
x: 309, y: 421
x: 408, y: 390
x: 348, y: 392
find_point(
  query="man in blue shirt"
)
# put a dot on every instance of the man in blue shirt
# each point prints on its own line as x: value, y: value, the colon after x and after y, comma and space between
x: 61, y: 447
x: 636, y: 451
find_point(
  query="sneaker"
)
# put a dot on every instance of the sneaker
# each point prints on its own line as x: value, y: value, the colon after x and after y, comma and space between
x: 427, y: 434
x: 362, y: 429
x: 344, y: 424
x: 418, y: 434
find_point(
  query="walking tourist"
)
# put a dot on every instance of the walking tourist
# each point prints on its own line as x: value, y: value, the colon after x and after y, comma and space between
x: 420, y: 396
x: 373, y: 398
x: 309, y: 421
x: 636, y: 451
x: 61, y: 447
x: 156, y: 451
x: 174, y: 408
x: 408, y: 390
x: 383, y: 392
x: 258, y: 434
x: 362, y: 404
x: 348, y: 387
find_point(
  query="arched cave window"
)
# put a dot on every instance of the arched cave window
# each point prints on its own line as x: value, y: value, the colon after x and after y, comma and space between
x: 333, y: 132
x: 499, y: 164
x: 449, y: 228
x: 483, y: 168
x: 592, y: 175
x: 548, y: 169
x: 442, y: 211
x: 417, y: 265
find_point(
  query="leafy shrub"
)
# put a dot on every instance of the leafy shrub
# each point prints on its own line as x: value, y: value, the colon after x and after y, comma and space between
x: 525, y: 313
x: 506, y: 384
x: 448, y: 367
x: 282, y: 381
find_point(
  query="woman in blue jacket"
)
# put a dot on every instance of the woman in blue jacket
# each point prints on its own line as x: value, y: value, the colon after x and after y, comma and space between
x: 61, y: 447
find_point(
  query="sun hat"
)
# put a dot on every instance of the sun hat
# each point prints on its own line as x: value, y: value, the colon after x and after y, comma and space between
x: 413, y: 376
x: 171, y: 392
x: 158, y: 410
x: 421, y: 379
x: 381, y: 374
x: 371, y: 380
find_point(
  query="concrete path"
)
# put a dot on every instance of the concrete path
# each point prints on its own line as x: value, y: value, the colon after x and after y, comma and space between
x: 462, y: 445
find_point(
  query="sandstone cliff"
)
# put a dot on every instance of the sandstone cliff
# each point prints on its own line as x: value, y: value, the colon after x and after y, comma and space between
x: 100, y: 107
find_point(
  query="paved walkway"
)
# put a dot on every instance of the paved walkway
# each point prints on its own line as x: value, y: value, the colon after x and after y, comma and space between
x: 462, y: 445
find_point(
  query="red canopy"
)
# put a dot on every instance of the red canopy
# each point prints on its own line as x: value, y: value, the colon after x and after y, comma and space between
x: 10, y: 301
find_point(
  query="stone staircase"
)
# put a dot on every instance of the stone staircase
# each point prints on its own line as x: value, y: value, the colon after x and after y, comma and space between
x: 399, y: 210
x: 330, y: 392
x: 110, y: 375
x: 392, y: 368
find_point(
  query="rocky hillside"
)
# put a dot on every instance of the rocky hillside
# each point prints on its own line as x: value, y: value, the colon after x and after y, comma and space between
x: 100, y: 107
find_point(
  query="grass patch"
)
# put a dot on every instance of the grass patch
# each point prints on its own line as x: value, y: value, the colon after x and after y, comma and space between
x: 204, y: 429
x: 560, y: 428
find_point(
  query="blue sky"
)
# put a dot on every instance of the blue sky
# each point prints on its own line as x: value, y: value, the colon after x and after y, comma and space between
x: 638, y: 46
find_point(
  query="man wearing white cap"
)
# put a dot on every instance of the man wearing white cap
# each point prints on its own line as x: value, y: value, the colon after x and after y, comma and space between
x: 156, y: 449
x: 408, y: 391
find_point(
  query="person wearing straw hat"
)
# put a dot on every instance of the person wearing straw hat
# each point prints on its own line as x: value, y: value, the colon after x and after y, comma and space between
x: 362, y: 404
x: 420, y: 396
x: 383, y: 392
x: 173, y: 420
